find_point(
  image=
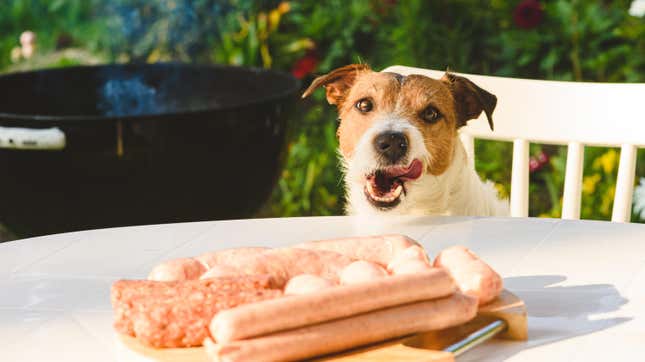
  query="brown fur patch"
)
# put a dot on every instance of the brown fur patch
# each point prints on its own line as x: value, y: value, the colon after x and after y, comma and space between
x: 470, y: 100
x: 383, y: 90
x: 456, y: 98
x: 419, y: 92
x: 405, y: 100
x: 337, y: 82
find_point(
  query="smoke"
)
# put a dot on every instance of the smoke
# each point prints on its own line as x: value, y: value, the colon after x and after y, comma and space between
x: 128, y: 97
x: 154, y: 30
x: 145, y: 31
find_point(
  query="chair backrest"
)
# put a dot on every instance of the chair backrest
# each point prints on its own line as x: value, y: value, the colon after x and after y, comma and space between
x: 574, y: 114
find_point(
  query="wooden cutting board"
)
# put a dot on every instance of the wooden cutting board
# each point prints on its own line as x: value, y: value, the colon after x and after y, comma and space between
x: 419, y: 347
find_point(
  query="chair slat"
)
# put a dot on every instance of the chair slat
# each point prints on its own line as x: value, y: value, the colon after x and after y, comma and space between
x: 622, y: 211
x: 573, y: 181
x: 520, y: 179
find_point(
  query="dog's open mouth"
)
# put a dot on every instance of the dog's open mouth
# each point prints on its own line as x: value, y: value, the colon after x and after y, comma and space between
x: 385, y: 186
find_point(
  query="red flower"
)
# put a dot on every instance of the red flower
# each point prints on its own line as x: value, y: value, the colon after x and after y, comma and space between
x: 537, y: 162
x: 534, y: 165
x: 384, y: 7
x: 528, y: 14
x: 543, y: 158
x: 305, y: 65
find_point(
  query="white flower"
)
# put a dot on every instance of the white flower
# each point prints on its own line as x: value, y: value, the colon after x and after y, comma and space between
x: 637, y: 8
x: 639, y: 199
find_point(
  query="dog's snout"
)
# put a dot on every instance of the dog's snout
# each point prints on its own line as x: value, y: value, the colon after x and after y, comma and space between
x: 391, y: 145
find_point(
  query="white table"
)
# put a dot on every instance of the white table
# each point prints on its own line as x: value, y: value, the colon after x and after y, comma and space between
x: 583, y: 281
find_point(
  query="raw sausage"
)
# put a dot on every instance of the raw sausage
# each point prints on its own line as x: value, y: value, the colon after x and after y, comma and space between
x: 349, y: 332
x: 361, y: 271
x: 177, y: 269
x: 337, y: 302
x: 194, y: 268
x: 410, y: 267
x: 282, y: 264
x: 225, y: 256
x: 285, y: 263
x: 412, y: 253
x: 473, y: 276
x: 409, y: 261
x: 306, y: 283
x: 376, y: 249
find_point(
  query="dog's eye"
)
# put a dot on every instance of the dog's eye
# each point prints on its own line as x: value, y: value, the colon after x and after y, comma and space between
x: 364, y: 105
x: 430, y: 114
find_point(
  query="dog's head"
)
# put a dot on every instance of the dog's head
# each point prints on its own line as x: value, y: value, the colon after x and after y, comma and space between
x: 395, y: 131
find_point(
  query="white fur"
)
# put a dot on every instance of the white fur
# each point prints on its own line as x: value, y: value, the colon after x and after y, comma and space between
x: 458, y: 191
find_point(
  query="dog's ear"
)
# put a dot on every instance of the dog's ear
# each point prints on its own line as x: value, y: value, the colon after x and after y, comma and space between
x: 337, y: 82
x: 470, y: 100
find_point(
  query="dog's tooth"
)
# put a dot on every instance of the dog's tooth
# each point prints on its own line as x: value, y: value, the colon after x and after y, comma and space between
x: 397, y: 192
x: 370, y: 190
x: 389, y: 197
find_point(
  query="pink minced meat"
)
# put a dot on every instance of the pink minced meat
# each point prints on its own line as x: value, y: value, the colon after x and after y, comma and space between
x: 177, y: 313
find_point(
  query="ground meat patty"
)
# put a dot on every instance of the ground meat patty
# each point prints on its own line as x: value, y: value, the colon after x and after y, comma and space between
x: 177, y: 313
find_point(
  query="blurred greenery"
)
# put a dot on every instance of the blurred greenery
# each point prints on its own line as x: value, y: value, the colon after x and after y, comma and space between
x: 576, y: 40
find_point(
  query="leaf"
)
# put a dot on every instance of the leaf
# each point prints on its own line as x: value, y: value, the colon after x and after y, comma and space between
x: 56, y: 5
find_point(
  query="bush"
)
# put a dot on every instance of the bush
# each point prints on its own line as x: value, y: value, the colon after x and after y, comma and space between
x: 561, y: 40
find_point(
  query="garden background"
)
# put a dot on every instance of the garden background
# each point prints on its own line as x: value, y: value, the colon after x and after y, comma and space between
x: 583, y: 40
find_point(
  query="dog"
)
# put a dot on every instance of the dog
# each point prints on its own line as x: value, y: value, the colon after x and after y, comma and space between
x: 399, y: 145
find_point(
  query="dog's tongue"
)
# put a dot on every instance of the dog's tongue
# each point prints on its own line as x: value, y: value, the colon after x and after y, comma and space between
x: 411, y: 172
x: 386, y: 181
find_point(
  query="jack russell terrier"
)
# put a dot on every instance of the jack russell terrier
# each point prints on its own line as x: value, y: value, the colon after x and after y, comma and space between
x: 399, y: 143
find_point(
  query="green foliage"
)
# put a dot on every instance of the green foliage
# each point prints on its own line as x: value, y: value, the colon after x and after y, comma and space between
x: 440, y: 34
x: 492, y: 160
x: 343, y: 31
x: 52, y: 21
x: 578, y: 40
x: 311, y: 182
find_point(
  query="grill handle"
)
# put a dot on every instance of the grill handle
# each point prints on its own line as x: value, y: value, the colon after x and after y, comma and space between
x: 52, y: 139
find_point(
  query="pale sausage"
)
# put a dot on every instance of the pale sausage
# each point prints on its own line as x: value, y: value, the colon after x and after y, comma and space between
x: 306, y: 283
x: 338, y: 302
x: 349, y: 332
x: 282, y: 264
x: 217, y: 271
x: 177, y: 269
x: 410, y: 267
x: 376, y: 249
x: 408, y: 261
x: 361, y: 271
x: 473, y: 276
x: 225, y: 256
x: 194, y: 268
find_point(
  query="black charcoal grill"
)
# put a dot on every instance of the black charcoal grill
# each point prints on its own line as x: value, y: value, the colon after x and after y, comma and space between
x: 115, y: 145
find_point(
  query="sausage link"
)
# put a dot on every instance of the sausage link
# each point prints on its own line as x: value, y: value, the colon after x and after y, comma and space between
x: 327, y: 304
x: 473, y: 276
x: 379, y: 249
x: 282, y: 264
x: 349, y: 332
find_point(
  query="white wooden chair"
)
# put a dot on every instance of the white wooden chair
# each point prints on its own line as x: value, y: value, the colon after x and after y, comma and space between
x: 563, y: 113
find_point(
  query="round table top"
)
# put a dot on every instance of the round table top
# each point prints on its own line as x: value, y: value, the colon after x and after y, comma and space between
x: 583, y: 281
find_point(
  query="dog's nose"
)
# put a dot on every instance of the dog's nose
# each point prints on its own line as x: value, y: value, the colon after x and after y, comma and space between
x: 392, y: 145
